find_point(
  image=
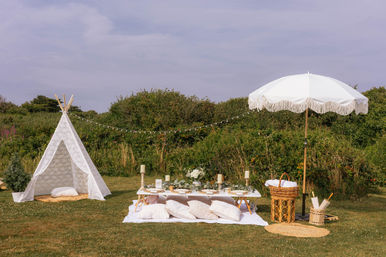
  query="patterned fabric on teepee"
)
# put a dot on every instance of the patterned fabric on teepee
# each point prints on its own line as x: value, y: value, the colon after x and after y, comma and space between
x: 66, y: 162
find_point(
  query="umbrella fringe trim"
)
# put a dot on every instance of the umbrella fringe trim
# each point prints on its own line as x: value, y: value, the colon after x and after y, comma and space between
x: 354, y: 105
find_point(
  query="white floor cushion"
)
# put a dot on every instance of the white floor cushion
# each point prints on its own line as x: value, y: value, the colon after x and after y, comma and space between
x: 179, y: 210
x: 63, y: 191
x: 201, y: 210
x: 225, y: 210
x: 153, y: 211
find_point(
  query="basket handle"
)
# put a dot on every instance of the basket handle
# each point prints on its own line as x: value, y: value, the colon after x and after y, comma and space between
x: 288, y: 178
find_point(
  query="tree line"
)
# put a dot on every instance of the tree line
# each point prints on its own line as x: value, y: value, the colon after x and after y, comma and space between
x: 346, y: 153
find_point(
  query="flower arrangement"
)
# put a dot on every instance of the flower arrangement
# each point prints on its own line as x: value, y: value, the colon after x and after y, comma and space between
x: 181, y: 184
x: 196, y: 174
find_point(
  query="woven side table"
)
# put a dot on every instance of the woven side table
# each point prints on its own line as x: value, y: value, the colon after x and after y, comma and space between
x: 282, y: 209
x: 283, y: 202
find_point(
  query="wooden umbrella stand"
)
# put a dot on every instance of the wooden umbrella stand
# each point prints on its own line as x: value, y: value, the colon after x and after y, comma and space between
x: 303, y: 216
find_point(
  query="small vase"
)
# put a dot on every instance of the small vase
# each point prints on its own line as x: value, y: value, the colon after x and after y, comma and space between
x: 197, y: 183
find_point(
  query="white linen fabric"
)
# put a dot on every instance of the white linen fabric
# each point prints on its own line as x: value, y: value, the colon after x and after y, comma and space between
x: 63, y: 191
x: 201, y: 210
x: 228, y: 199
x: 161, y: 199
x: 154, y: 211
x: 283, y: 183
x: 152, y: 199
x: 225, y: 210
x: 179, y: 198
x: 179, y: 210
x: 204, y: 199
x: 299, y: 92
x: 245, y: 218
x: 65, y: 162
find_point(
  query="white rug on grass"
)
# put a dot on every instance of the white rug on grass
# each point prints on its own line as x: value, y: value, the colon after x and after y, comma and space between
x: 246, y: 218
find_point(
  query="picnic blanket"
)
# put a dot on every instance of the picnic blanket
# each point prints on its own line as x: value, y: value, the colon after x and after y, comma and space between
x: 246, y: 218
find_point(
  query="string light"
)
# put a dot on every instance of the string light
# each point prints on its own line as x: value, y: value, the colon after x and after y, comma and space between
x: 175, y: 131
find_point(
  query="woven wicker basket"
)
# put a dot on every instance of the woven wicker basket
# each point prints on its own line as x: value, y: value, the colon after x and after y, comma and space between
x: 317, y: 217
x: 283, y: 202
x: 284, y: 192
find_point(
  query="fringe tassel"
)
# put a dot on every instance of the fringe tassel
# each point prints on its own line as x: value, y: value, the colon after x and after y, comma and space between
x: 358, y: 106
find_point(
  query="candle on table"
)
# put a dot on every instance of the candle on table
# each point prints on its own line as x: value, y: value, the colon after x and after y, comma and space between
x: 167, y: 178
x: 219, y: 178
x: 247, y: 174
x: 142, y: 171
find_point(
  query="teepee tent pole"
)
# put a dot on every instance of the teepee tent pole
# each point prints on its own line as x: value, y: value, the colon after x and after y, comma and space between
x: 69, y: 103
x: 60, y: 105
x: 305, y: 165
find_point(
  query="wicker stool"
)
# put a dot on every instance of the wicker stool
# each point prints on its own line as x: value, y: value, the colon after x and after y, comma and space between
x: 283, y: 202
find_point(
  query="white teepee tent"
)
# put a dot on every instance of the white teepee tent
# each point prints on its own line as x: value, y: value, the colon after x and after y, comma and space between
x: 65, y: 163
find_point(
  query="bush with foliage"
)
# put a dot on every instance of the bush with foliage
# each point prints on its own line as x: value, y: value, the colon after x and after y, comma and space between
x: 15, y: 176
x: 346, y: 153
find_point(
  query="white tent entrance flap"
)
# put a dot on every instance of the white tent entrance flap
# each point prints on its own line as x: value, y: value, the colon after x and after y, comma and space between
x: 65, y: 162
x: 61, y: 172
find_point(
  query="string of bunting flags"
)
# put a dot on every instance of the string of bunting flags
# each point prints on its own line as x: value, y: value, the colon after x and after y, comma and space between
x: 162, y: 132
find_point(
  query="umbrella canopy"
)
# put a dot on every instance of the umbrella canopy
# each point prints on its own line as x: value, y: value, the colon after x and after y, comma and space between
x: 298, y: 93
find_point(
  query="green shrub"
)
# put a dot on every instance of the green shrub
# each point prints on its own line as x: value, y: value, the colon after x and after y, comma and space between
x: 345, y: 154
x: 15, y: 176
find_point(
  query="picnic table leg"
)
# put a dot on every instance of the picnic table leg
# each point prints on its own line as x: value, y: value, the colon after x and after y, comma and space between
x: 241, y: 199
x: 141, y: 200
x: 136, y: 204
x: 249, y: 208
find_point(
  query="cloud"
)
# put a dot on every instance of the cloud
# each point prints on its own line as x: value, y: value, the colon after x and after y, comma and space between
x: 99, y: 50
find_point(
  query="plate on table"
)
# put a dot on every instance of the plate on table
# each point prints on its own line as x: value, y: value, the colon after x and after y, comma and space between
x: 182, y: 191
x: 155, y: 190
x: 209, y: 191
x: 239, y: 192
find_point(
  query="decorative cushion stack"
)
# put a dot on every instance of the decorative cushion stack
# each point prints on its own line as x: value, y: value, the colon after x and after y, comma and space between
x: 195, y: 209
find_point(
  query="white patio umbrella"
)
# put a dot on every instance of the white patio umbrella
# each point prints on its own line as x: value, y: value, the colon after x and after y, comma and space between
x: 298, y: 93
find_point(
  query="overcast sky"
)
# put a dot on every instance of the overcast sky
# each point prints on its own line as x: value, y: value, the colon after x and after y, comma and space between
x: 99, y: 50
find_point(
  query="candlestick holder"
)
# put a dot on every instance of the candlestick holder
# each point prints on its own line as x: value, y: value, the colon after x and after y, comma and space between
x: 219, y: 186
x: 247, y: 181
x: 142, y: 180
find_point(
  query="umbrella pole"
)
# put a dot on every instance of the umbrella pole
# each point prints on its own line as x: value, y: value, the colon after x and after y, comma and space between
x: 305, y: 166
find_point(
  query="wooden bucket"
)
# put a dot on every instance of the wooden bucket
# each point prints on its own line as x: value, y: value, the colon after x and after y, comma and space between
x: 317, y: 217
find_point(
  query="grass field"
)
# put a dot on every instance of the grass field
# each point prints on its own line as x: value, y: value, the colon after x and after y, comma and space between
x: 95, y: 228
